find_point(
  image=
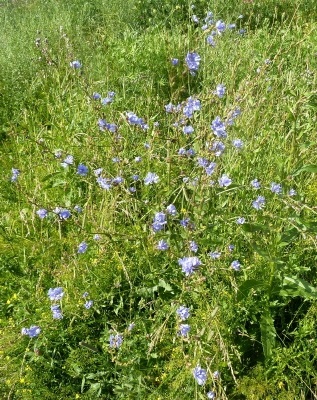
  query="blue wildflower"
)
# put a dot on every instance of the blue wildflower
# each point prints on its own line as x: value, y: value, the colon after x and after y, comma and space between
x: 188, y: 129
x: 231, y: 247
x: 64, y: 214
x: 117, y: 180
x: 255, y: 184
x: 96, y: 96
x: 183, y: 313
x: 82, y: 247
x: 104, y: 183
x: 236, y: 265
x: 220, y: 90
x: 210, y: 40
x: 211, y: 395
x: 192, y: 61
x: 195, y: 19
x: 193, y: 246
x: 189, y: 264
x: 42, y: 213
x: 276, y: 188
x: 210, y: 169
x: 174, y: 61
x: 215, y: 255
x: 171, y: 209
x: 82, y: 170
x: 32, y: 332
x: 240, y: 221
x: 200, y: 375
x: 217, y: 148
x: 162, y: 245
x: 224, y: 181
x: 69, y: 160
x: 183, y: 330
x: 220, y: 26
x: 96, y: 237
x: 219, y: 128
x: 55, y: 294
x: 151, y: 178
x: 15, y: 174
x: 292, y: 192
x: 259, y: 203
x: 75, y: 64
x: 78, y: 209
x: 56, y: 310
x: 88, y: 304
x: 115, y: 341
x: 238, y: 143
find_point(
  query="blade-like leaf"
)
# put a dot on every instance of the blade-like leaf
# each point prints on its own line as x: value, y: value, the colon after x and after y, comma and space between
x: 306, y: 168
x: 293, y: 286
x: 268, y: 333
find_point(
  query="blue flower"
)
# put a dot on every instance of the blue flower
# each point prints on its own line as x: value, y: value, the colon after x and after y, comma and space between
x: 214, y: 255
x: 115, y: 341
x: 96, y: 96
x: 98, y: 171
x: 104, y: 183
x: 183, y: 330
x: 238, y: 143
x: 231, y: 247
x: 195, y: 19
x: 171, y: 210
x: 55, y: 294
x: 259, y: 203
x: 106, y: 100
x: 183, y: 313
x: 219, y: 128
x: 151, y: 178
x: 117, y: 180
x: 292, y: 192
x: 193, y: 246
x: 75, y: 64
x: 64, y: 214
x: 56, y: 310
x: 224, y: 181
x: 189, y: 264
x: 88, y: 304
x: 82, y: 248
x: 15, y: 174
x: 82, y: 170
x: 188, y: 130
x: 240, y: 221
x: 192, y: 61
x: 32, y: 332
x: 210, y: 169
x: 78, y: 209
x: 236, y: 265
x: 96, y: 237
x: 69, y: 160
x: 174, y: 61
x: 255, y: 184
x: 276, y: 188
x: 200, y: 375
x: 42, y: 213
x: 159, y: 221
x: 211, y: 395
x: 217, y: 148
x: 131, y: 326
x: 162, y: 245
x: 210, y: 40
x: 220, y: 90
x: 220, y: 26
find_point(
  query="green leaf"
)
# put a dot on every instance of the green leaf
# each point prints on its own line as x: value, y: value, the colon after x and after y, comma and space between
x: 165, y: 285
x: 268, y: 333
x: 306, y: 168
x: 255, y: 228
x: 247, y: 286
x: 293, y: 286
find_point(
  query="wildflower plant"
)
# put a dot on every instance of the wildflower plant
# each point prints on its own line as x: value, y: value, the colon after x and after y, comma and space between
x: 173, y: 190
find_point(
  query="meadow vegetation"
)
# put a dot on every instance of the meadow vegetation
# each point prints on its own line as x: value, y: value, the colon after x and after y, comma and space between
x: 158, y: 199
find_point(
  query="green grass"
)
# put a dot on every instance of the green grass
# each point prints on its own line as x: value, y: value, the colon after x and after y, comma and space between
x: 255, y: 326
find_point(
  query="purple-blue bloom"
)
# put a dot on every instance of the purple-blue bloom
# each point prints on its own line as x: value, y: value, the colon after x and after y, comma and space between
x: 193, y: 246
x: 183, y: 330
x: 64, y: 214
x: 15, y: 174
x: 292, y: 192
x: 188, y: 129
x: 236, y: 265
x: 174, y: 61
x: 255, y: 184
x: 200, y: 375
x: 215, y: 255
x: 238, y: 143
x: 171, y: 210
x: 42, y: 213
x: 189, y: 264
x: 220, y: 90
x: 88, y: 304
x: 55, y: 294
x: 183, y: 313
x: 240, y: 221
x: 82, y: 170
x: 151, y: 178
x: 224, y: 181
x: 192, y: 61
x: 82, y: 247
x: 276, y: 188
x: 210, y: 40
x: 162, y: 245
x: 211, y: 395
x: 217, y: 148
x: 32, y: 332
x: 104, y: 183
x: 96, y: 96
x: 115, y: 341
x: 259, y: 203
x: 75, y: 64
x: 56, y: 310
x: 219, y: 128
x: 220, y: 26
x: 69, y: 160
